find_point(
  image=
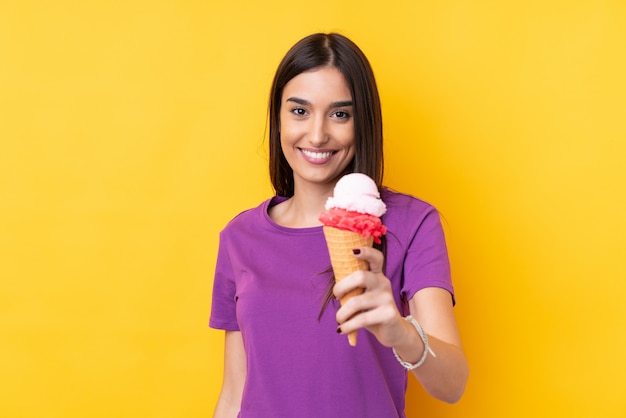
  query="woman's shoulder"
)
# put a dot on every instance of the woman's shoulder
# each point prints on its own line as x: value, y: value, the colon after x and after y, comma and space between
x: 252, y: 216
x: 408, y: 215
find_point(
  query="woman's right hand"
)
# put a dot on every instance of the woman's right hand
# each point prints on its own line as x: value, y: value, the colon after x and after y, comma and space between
x: 375, y: 309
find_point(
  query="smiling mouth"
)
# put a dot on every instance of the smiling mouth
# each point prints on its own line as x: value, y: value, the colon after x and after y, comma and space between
x: 317, y: 157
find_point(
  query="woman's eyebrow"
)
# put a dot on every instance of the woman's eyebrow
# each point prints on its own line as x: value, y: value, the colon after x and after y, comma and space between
x: 299, y: 101
x: 344, y: 103
x: 302, y: 102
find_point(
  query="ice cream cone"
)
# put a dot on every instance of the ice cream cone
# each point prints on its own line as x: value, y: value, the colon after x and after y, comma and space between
x: 340, y: 245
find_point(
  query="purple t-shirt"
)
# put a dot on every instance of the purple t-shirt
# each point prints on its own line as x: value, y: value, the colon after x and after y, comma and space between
x: 270, y: 283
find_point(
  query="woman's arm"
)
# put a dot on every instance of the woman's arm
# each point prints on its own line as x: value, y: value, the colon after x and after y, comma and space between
x: 229, y: 401
x: 445, y: 375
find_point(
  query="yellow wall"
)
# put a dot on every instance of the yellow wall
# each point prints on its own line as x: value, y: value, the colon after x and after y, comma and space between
x: 131, y: 131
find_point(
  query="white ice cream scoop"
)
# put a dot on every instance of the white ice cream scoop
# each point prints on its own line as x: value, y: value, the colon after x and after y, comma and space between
x: 357, y: 192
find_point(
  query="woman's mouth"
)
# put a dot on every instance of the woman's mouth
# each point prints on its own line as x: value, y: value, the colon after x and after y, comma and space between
x: 317, y: 156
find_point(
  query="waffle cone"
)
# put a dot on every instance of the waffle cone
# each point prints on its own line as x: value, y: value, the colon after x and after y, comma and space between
x: 340, y: 245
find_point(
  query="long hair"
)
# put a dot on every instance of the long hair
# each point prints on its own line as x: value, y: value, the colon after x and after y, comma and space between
x: 330, y: 50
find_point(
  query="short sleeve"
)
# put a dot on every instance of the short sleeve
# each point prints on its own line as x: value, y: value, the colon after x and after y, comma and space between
x: 223, y: 308
x: 427, y: 263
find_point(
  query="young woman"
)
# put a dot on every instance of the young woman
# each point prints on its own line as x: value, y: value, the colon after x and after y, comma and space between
x: 283, y: 355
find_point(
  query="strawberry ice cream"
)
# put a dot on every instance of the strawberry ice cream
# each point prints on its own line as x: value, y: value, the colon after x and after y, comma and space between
x: 351, y: 220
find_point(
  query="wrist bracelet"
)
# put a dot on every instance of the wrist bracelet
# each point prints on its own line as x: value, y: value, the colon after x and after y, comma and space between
x: 427, y: 349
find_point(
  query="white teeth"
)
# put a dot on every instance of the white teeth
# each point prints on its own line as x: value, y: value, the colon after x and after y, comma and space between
x: 317, y: 155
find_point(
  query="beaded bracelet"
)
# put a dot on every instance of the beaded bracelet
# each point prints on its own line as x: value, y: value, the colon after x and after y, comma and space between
x: 427, y: 348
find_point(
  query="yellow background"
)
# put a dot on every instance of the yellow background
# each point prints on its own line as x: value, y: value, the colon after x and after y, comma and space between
x: 131, y: 131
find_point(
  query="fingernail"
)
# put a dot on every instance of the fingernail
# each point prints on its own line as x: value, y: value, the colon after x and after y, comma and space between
x: 356, y: 251
x: 338, y: 330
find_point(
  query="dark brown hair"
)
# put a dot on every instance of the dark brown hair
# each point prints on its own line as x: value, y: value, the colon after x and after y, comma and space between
x: 330, y: 50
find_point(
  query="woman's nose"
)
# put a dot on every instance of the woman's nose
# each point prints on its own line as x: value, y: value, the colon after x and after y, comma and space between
x: 318, y: 134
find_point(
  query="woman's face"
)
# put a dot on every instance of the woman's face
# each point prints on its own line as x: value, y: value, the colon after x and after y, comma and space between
x: 317, y: 126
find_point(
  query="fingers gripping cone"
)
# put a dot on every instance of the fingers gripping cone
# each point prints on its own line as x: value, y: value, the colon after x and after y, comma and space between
x: 340, y: 245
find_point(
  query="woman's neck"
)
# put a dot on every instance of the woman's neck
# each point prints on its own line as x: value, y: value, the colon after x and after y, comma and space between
x: 303, y: 208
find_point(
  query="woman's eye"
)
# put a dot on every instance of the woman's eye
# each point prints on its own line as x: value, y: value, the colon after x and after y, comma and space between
x: 341, y: 114
x: 298, y: 111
